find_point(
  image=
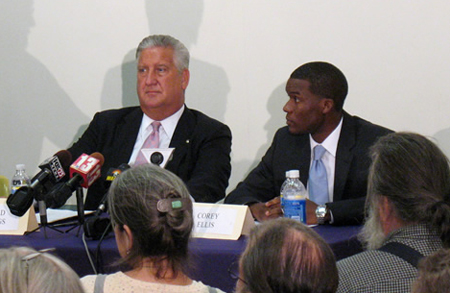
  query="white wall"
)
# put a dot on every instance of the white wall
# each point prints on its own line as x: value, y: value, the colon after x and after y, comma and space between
x: 61, y: 61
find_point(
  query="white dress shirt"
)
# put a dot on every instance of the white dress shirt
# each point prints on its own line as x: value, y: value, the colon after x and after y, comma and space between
x: 329, y: 157
x: 166, y: 131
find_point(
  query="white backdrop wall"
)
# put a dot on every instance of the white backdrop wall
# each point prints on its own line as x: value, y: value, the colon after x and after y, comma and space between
x: 62, y: 61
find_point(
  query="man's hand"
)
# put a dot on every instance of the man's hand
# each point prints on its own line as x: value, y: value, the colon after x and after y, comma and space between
x: 311, y: 207
x: 263, y: 211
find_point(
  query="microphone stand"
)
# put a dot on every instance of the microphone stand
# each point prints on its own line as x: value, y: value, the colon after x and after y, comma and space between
x: 43, y: 216
x: 80, y: 209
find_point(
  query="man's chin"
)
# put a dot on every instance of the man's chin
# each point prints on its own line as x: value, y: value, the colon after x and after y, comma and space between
x: 294, y: 131
x: 150, y: 102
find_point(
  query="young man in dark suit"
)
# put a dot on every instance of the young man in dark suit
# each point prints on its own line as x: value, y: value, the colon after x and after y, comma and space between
x: 202, y: 145
x: 315, y: 116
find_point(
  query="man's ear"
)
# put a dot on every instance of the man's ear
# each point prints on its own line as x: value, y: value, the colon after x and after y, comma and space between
x: 185, y: 81
x: 328, y: 105
x: 388, y: 216
x: 384, y: 209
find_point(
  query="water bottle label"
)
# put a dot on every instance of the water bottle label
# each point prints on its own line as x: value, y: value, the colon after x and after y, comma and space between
x: 295, y: 209
x: 16, y: 182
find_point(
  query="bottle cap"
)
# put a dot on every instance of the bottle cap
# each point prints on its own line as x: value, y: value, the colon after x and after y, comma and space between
x: 294, y: 174
x: 287, y: 174
x: 20, y: 167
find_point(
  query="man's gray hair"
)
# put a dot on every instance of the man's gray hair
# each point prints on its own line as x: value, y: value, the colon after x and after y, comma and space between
x: 414, y: 175
x: 181, y: 53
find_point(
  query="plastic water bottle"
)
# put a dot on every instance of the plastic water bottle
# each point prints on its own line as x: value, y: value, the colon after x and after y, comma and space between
x: 282, y: 187
x: 20, y: 178
x: 294, y: 195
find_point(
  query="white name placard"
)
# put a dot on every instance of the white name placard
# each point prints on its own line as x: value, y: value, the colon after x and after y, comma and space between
x: 13, y: 225
x: 221, y: 221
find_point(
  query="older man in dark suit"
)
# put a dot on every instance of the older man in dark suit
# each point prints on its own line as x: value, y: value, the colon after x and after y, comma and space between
x: 315, y: 117
x: 202, y: 145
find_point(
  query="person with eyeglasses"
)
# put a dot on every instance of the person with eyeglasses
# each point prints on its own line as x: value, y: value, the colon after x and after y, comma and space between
x: 25, y: 270
x: 151, y: 213
x: 283, y: 255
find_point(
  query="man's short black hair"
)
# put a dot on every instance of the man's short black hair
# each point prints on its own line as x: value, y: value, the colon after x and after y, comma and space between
x: 326, y: 80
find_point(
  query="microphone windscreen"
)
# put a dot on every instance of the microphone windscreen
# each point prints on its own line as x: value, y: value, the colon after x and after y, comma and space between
x: 20, y: 201
x: 156, y: 158
x: 99, y: 157
x: 65, y: 158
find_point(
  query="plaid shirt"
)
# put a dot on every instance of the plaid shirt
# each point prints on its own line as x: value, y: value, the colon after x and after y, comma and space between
x: 378, y: 271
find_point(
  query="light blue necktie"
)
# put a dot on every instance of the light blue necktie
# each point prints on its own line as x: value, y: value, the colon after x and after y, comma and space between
x: 318, y: 183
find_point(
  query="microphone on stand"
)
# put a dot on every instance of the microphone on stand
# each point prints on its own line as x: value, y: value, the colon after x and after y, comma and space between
x: 158, y: 157
x: 110, y: 177
x: 97, y: 226
x: 57, y: 169
x: 52, y: 171
x: 83, y: 172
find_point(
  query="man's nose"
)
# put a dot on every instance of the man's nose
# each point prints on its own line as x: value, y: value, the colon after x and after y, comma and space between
x: 150, y: 78
x: 287, y: 107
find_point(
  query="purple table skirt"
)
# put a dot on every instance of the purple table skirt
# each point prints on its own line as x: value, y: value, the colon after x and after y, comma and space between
x: 210, y: 258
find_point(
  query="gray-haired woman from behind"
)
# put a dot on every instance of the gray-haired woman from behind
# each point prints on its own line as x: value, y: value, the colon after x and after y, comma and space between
x: 25, y: 270
x: 151, y: 212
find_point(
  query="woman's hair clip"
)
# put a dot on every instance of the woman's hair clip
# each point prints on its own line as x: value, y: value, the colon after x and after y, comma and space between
x: 169, y: 204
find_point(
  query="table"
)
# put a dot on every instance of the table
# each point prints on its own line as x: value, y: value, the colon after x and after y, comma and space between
x: 210, y: 257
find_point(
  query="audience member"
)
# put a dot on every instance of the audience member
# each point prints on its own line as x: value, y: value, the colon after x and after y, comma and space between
x: 283, y: 255
x: 434, y: 273
x: 151, y: 213
x: 202, y: 145
x: 408, y: 208
x: 25, y: 270
x: 315, y: 120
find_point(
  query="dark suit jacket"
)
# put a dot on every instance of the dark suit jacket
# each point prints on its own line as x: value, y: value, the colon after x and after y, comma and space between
x: 201, y: 157
x: 290, y: 151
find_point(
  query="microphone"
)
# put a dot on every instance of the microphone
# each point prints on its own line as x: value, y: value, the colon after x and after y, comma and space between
x: 52, y: 171
x: 86, y: 169
x: 158, y: 157
x: 110, y: 177
x: 83, y: 172
x: 97, y: 226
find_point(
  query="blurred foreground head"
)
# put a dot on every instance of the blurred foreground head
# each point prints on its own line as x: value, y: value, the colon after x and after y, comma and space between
x: 25, y: 270
x: 283, y: 255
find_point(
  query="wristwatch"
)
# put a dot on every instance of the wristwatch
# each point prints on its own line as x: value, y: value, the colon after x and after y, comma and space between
x: 321, y: 212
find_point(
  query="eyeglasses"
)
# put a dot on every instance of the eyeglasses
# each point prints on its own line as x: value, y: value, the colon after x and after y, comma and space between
x: 32, y: 256
x: 233, y: 272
